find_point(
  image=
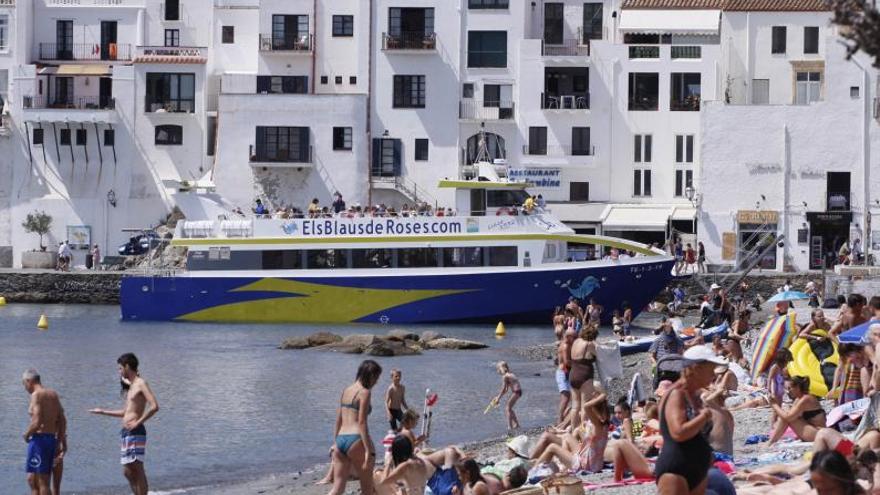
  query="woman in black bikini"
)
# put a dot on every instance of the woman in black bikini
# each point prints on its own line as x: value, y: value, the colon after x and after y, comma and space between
x: 353, y: 447
x: 806, y: 416
x: 686, y: 456
x: 580, y: 376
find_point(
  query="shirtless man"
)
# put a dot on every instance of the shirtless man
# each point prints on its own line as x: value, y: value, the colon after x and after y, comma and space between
x: 46, y: 435
x: 854, y: 315
x: 140, y: 405
x: 563, y: 357
x: 395, y: 401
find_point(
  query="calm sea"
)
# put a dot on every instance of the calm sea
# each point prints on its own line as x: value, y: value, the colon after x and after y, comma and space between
x: 232, y: 405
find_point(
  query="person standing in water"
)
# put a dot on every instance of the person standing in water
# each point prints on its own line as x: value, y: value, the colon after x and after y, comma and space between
x: 46, y: 435
x: 510, y: 382
x: 354, y: 449
x: 140, y: 406
x: 395, y: 401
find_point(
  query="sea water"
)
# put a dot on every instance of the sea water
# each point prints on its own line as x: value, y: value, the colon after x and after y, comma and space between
x: 233, y: 406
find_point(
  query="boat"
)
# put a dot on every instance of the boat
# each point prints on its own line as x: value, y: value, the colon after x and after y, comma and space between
x: 488, y: 263
x: 643, y: 344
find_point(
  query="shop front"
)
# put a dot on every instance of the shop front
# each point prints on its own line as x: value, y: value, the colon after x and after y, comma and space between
x: 828, y: 232
x: 756, y: 232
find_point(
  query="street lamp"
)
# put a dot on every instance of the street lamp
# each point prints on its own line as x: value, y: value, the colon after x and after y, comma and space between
x: 690, y: 193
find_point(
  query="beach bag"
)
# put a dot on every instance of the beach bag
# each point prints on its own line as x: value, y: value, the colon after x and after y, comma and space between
x: 563, y: 485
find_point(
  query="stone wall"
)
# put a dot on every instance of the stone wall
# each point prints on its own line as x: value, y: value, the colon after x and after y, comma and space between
x: 765, y: 285
x: 66, y: 288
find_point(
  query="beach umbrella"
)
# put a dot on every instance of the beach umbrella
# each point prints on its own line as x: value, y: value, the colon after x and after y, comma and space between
x: 857, y: 334
x: 789, y: 295
x: 776, y: 334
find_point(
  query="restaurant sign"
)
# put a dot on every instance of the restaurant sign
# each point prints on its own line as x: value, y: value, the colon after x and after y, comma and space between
x: 757, y: 216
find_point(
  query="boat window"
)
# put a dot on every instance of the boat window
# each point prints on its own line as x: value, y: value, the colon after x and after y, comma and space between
x: 417, y: 258
x: 503, y: 256
x: 282, y: 260
x: 550, y: 251
x: 504, y: 198
x: 317, y: 259
x: 463, y: 256
x: 371, y: 258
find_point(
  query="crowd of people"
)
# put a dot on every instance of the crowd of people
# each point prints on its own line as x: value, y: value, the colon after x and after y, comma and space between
x: 339, y: 209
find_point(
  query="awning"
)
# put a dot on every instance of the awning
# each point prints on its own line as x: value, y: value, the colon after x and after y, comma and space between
x: 627, y: 218
x: 570, y: 213
x: 76, y: 70
x: 686, y: 213
x: 706, y: 22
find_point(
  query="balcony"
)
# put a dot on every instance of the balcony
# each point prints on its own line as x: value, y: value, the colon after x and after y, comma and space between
x: 287, y: 43
x: 156, y: 105
x: 575, y: 101
x: 280, y: 158
x: 838, y: 201
x: 568, y: 48
x: 71, y: 103
x: 559, y: 150
x: 490, y: 110
x: 418, y: 42
x: 85, y: 51
x: 171, y: 55
x: 686, y: 52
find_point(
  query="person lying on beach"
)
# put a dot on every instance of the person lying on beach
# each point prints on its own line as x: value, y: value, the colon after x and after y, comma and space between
x: 830, y: 473
x: 590, y: 455
x: 805, y: 416
x: 831, y: 439
x: 510, y: 382
x: 476, y: 484
x: 517, y: 460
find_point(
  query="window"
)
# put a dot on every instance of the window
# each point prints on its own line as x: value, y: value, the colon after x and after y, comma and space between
x: 684, y: 148
x: 228, y: 34
x: 283, y: 84
x: 169, y: 135
x: 64, y: 137
x: 290, y: 32
x: 467, y: 90
x: 324, y: 80
x: 387, y: 157
x: 409, y: 92
x: 554, y: 23
x: 411, y: 25
x: 683, y: 180
x: 488, y: 4
x: 338, y: 79
x: 503, y: 256
x: 172, y: 10
x: 537, y: 140
x: 418, y: 258
x: 319, y: 259
x: 81, y: 137
x: 578, y: 191
x: 371, y: 258
x: 592, y: 21
x: 38, y: 136
x: 211, y: 141
x: 353, y: 80
x: 4, y: 33
x: 854, y: 92
x: 171, y: 92
x: 778, y: 43
x: 64, y: 40
x: 343, y: 25
x: 643, y: 90
x: 282, y: 144
x: 641, y: 182
x: 462, y: 256
x: 487, y: 48
x: 421, y: 150
x: 684, y: 91
x: 172, y: 37
x: 642, y: 144
x: 109, y: 137
x: 580, y: 141
x: 808, y: 86
x: 811, y: 39
x: 342, y: 138
x: 760, y: 91
x: 281, y: 260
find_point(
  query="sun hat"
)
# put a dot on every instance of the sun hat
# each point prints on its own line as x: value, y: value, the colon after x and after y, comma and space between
x: 714, y: 287
x: 702, y: 354
x: 519, y: 446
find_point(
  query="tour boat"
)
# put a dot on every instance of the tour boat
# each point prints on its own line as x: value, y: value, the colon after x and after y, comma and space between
x: 485, y: 264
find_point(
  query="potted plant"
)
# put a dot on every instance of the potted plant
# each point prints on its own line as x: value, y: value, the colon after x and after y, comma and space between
x: 38, y: 222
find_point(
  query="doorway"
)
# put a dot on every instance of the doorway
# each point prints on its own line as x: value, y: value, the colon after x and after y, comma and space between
x: 828, y: 231
x: 105, y: 92
x: 64, y: 40
x: 109, y: 48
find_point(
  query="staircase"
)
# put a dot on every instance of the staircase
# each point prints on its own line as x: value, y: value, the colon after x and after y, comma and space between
x: 762, y: 241
x: 406, y: 187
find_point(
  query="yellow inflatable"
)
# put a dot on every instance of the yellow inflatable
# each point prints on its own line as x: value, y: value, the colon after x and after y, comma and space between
x: 806, y: 363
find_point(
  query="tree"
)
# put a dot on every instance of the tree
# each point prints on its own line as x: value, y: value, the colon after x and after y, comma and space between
x: 38, y: 222
x: 859, y: 22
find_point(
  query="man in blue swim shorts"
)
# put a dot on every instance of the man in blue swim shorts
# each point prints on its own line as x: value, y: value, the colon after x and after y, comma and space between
x: 46, y: 435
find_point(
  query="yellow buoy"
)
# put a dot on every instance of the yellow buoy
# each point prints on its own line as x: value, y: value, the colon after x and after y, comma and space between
x: 499, y: 330
x: 2, y: 301
x: 43, y: 324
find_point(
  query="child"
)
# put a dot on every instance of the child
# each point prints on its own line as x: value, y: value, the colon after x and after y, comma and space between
x: 408, y: 424
x: 509, y: 381
x: 617, y: 323
x: 395, y: 400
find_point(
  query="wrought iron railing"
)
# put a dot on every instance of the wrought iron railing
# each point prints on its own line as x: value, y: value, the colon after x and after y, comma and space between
x: 294, y: 42
x: 85, y: 51
x: 417, y: 40
x: 69, y: 103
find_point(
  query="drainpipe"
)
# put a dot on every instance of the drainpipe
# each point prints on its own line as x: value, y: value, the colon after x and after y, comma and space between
x: 369, y: 127
x: 866, y: 153
x: 786, y: 189
x: 314, y: 41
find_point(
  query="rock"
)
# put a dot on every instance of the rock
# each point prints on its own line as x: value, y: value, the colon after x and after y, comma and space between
x: 455, y: 344
x: 362, y: 340
x: 401, y: 335
x: 323, y: 338
x: 430, y: 335
x: 343, y: 348
x: 295, y: 343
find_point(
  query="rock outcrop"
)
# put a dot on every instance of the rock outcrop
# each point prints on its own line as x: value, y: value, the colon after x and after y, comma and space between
x: 454, y: 344
x: 396, y: 343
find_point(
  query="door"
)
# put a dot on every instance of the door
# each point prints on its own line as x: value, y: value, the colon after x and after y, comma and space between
x: 64, y: 40
x: 109, y: 48
x: 553, y: 23
x: 286, y: 30
x: 63, y: 92
x: 105, y: 92
x: 478, y: 202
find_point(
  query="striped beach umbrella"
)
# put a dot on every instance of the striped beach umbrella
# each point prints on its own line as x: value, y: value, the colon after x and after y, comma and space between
x: 776, y: 334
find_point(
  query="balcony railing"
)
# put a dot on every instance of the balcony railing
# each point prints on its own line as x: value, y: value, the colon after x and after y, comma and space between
x: 559, y: 150
x: 63, y: 3
x: 694, y: 52
x: 568, y: 48
x: 409, y: 41
x: 490, y: 110
x: 170, y: 51
x: 578, y: 101
x: 85, y: 51
x: 297, y: 43
x: 7, y: 3
x: 153, y: 105
x: 259, y: 155
x: 838, y: 201
x: 70, y: 103
x: 639, y: 51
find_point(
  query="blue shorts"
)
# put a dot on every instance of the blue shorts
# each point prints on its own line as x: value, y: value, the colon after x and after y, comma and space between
x: 133, y: 445
x: 41, y: 453
x: 562, y: 381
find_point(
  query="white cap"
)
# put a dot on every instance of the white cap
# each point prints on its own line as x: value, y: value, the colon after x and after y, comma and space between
x: 519, y: 446
x: 714, y: 287
x: 702, y: 354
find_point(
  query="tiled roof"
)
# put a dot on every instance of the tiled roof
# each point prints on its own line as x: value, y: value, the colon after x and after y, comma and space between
x: 733, y: 5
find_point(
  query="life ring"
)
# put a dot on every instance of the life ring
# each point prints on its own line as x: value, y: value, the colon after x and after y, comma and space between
x: 806, y: 363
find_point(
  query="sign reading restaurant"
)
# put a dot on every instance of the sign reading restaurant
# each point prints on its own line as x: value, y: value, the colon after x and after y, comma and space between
x: 379, y: 226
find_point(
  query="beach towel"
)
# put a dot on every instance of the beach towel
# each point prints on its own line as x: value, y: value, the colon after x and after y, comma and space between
x: 869, y: 419
x: 613, y: 484
x: 851, y: 410
x: 609, y: 362
x: 776, y: 334
x: 636, y: 392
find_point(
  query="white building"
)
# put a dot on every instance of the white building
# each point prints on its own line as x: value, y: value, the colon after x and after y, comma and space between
x: 119, y: 110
